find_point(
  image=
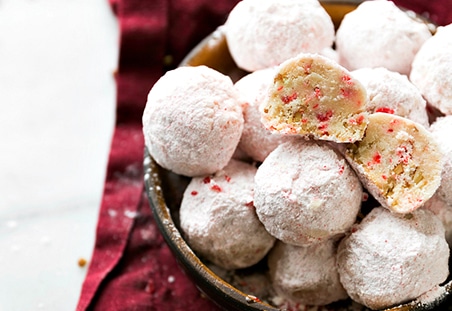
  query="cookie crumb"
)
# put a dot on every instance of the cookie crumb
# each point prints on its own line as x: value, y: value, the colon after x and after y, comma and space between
x: 82, y: 262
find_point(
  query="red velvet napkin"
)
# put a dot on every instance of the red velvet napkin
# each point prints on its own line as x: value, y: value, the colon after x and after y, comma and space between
x: 131, y: 267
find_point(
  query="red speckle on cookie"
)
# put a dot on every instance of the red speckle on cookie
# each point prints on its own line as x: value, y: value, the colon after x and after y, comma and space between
x: 288, y: 98
x: 322, y: 126
x: 345, y: 92
x: 376, y: 159
x: 403, y: 154
x: 317, y: 92
x: 347, y: 79
x: 385, y: 110
x: 216, y: 188
x: 206, y: 180
x: 194, y: 192
x: 227, y: 178
x: 307, y: 68
x: 280, y: 88
x: 324, y: 117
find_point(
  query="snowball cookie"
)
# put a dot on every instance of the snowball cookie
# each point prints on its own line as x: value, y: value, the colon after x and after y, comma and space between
x: 392, y: 258
x: 314, y: 96
x: 192, y: 121
x: 306, y: 193
x: 219, y: 221
x: 443, y: 211
x: 306, y: 275
x: 441, y: 130
x: 398, y: 162
x: 256, y: 141
x: 265, y: 33
x: 432, y: 70
x: 378, y: 34
x: 391, y: 92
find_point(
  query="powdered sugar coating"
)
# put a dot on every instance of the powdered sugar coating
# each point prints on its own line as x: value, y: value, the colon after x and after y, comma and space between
x: 218, y: 218
x: 306, y: 193
x: 379, y: 34
x: 262, y: 34
x: 192, y: 121
x: 391, y: 92
x: 390, y: 258
x: 256, y: 140
x: 441, y: 203
x: 306, y: 275
x: 432, y: 70
x: 443, y: 211
x: 441, y: 130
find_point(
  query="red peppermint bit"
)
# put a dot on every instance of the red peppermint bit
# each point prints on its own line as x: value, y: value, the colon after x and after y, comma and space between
x: 346, y: 92
x: 280, y: 88
x: 206, y: 180
x: 390, y: 130
x: 347, y: 79
x: 341, y: 170
x: 385, y: 110
x: 194, y: 192
x: 288, y: 98
x: 322, y: 126
x: 354, y: 229
x: 365, y: 197
x: 323, y: 117
x: 384, y: 177
x: 249, y: 204
x: 377, y: 158
x: 227, y: 178
x: 317, y: 92
x: 304, y: 120
x: 315, y: 106
x: 360, y: 119
x: 216, y: 188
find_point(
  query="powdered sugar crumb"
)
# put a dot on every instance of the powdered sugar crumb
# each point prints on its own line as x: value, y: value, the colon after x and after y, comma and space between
x: 112, y: 212
x: 130, y: 214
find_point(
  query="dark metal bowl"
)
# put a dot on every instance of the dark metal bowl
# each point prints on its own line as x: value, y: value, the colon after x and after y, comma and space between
x: 165, y: 190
